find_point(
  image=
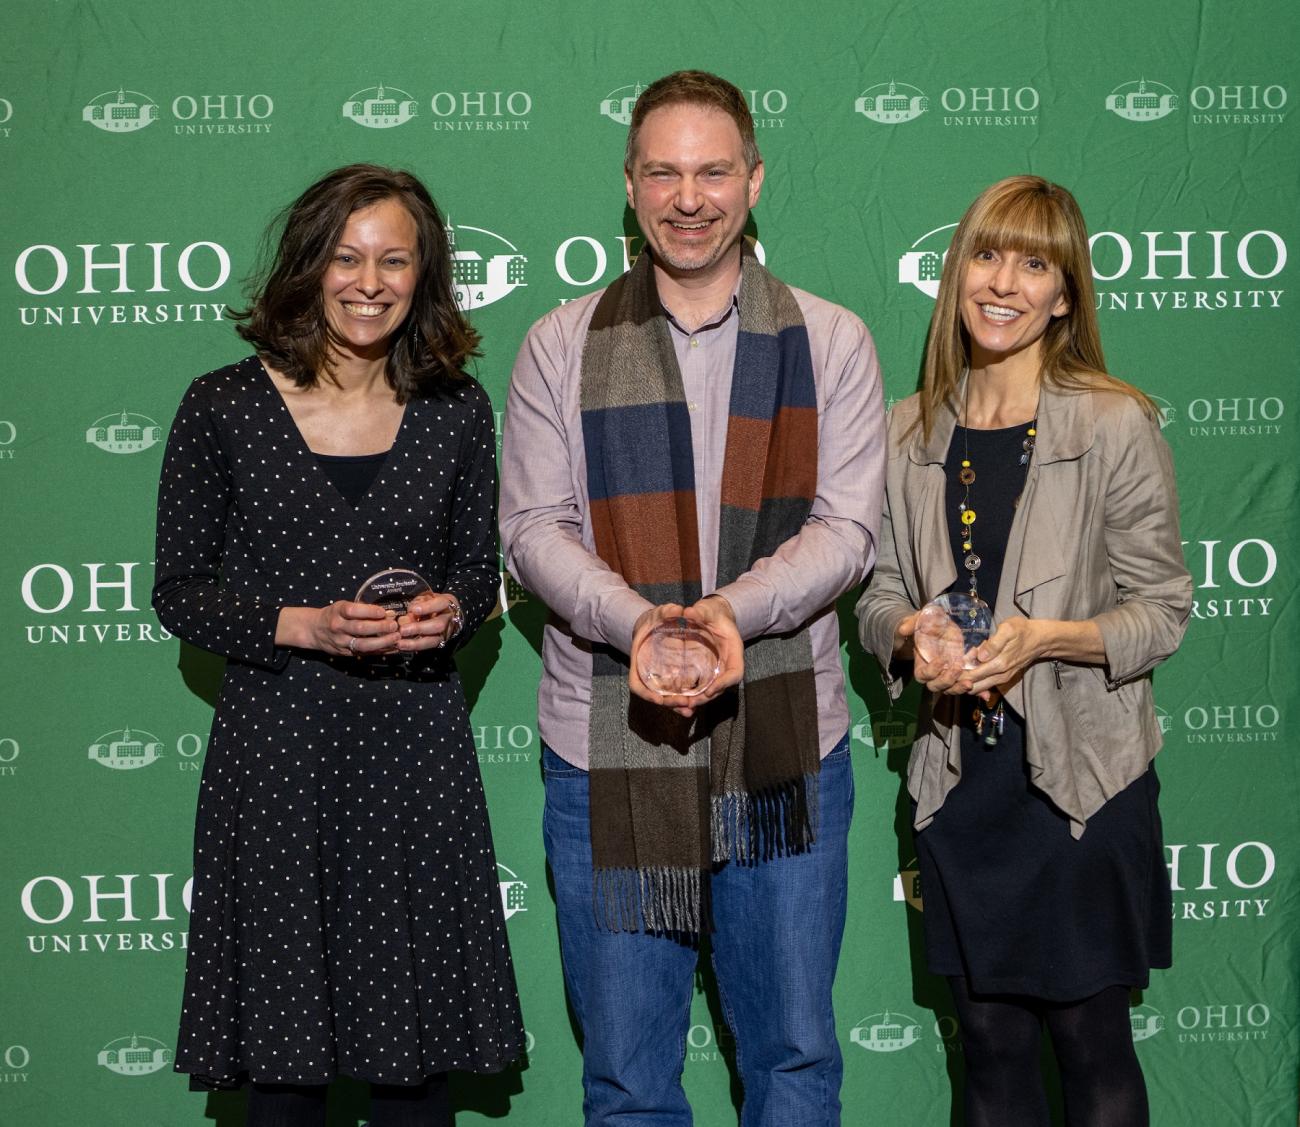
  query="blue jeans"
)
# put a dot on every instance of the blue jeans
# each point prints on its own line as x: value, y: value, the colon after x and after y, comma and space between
x: 778, y: 929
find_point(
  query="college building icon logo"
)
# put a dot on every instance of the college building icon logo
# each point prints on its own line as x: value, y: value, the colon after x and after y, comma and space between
x: 124, y: 433
x: 1145, y: 1022
x: 907, y: 885
x: 380, y: 107
x: 888, y: 1032
x: 891, y: 103
x: 895, y: 728
x: 1168, y: 413
x: 134, y: 1056
x: 120, y: 111
x: 512, y: 891
x: 126, y: 749
x: 484, y: 266
x: 511, y: 592
x: 922, y: 263
x: 1142, y: 100
x: 617, y: 104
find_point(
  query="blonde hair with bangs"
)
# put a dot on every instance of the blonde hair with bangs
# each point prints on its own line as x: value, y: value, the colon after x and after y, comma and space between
x: 1032, y: 216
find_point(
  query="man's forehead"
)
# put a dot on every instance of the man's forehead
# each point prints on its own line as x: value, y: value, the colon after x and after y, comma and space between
x: 667, y: 130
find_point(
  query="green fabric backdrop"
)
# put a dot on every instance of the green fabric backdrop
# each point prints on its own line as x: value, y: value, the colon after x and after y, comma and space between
x: 144, y: 147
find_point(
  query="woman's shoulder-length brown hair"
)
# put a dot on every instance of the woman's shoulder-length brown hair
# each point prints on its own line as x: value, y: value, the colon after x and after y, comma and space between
x: 286, y: 319
x: 1033, y: 216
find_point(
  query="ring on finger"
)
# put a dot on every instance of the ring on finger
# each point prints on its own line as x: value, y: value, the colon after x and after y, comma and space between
x: 352, y: 644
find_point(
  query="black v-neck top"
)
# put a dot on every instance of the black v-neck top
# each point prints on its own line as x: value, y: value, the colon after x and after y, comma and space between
x: 250, y: 521
x: 999, y: 480
x: 352, y: 474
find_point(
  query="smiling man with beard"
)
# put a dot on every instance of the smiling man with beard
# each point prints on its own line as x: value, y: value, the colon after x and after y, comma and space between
x: 698, y: 441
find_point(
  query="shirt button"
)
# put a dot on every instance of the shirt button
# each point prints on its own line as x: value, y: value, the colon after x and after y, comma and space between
x: 695, y: 342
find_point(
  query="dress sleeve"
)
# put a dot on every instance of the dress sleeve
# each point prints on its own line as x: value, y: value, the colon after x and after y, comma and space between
x: 472, y: 561
x: 195, y: 498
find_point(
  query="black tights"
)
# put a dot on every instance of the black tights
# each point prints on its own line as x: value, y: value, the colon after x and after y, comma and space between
x: 303, y: 1105
x: 1100, y: 1076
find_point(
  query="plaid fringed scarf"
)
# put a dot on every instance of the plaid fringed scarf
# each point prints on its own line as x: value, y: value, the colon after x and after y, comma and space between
x: 670, y: 796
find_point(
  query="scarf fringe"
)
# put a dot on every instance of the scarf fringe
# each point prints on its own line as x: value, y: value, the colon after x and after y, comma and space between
x: 775, y: 822
x: 652, y: 900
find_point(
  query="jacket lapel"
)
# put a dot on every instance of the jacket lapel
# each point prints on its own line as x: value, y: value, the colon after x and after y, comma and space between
x: 930, y: 550
x: 1036, y: 550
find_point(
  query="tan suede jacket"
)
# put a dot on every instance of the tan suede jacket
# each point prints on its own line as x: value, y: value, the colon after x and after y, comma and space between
x: 1095, y: 536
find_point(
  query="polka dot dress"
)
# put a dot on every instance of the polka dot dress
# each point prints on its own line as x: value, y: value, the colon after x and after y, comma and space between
x: 346, y: 913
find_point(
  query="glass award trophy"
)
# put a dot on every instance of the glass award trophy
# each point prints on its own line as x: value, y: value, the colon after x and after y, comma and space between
x: 951, y: 628
x: 393, y: 589
x: 678, y: 658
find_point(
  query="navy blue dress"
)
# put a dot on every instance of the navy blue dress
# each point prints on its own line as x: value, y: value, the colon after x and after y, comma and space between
x: 1013, y: 902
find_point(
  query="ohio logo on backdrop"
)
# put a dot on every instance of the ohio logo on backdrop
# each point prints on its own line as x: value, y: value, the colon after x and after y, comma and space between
x: 1221, y: 880
x: 101, y: 603
x: 134, y: 1056
x: 617, y: 104
x: 503, y: 743
x: 511, y: 592
x: 907, y: 886
x: 922, y: 263
x: 124, y: 433
x: 106, y: 914
x: 887, y: 1032
x: 512, y: 891
x: 380, y: 107
x: 484, y: 266
x: 1230, y: 103
x: 892, y: 729
x: 125, y: 749
x: 1235, y: 416
x: 10, y: 750
x: 120, y: 111
x: 165, y: 284
x: 891, y: 103
x: 712, y: 1043
x: 1219, y: 723
x: 766, y: 107
x: 460, y: 111
x: 16, y: 1061
x: 1232, y: 578
x: 6, y: 116
x: 1235, y: 104
x: 1216, y: 270
x: 1145, y: 1022
x: 1142, y: 100
x: 1220, y: 1022
x: 194, y: 114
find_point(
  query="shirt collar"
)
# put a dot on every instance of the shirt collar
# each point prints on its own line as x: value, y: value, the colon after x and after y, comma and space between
x: 715, y: 321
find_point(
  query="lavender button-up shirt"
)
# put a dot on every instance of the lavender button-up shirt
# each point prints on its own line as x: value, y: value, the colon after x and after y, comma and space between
x: 546, y: 528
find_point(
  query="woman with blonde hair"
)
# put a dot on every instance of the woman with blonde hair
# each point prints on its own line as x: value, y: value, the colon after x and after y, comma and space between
x: 1026, y: 477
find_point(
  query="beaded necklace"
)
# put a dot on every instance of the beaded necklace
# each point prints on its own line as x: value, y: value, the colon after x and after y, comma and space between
x: 989, y: 722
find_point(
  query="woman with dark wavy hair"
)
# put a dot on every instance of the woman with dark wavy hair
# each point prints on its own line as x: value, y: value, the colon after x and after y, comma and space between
x: 346, y: 911
x: 1025, y: 476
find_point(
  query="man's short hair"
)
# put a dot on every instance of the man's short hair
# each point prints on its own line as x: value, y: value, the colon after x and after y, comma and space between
x: 694, y: 88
